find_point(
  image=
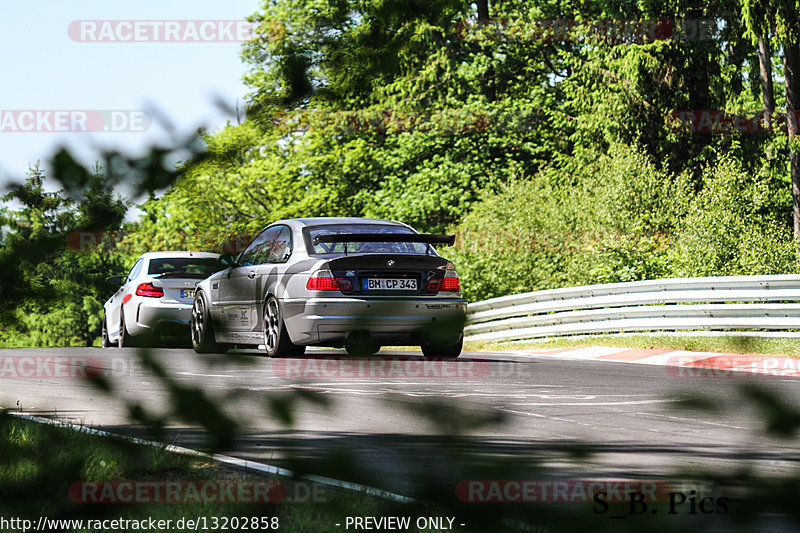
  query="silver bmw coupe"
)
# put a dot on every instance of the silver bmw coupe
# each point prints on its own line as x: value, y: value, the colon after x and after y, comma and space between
x: 352, y: 282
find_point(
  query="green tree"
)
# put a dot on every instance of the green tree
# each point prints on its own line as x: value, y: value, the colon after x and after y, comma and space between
x: 428, y: 114
x: 784, y: 16
x: 53, y: 294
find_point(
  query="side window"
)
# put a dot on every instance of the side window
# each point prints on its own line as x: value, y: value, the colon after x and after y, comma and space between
x: 259, y: 248
x: 137, y: 267
x: 281, y: 247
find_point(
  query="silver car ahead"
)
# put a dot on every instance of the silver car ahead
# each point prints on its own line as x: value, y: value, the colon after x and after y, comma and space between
x: 156, y: 296
x: 352, y: 282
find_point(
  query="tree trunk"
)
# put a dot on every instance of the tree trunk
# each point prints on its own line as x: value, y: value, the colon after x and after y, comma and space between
x: 765, y: 75
x: 483, y: 9
x: 791, y: 64
x: 488, y: 85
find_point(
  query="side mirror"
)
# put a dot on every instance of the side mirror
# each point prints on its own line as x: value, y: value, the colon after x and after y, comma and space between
x: 228, y: 261
x: 116, y: 281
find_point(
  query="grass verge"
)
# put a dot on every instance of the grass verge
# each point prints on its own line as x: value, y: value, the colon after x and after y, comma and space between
x: 44, y: 469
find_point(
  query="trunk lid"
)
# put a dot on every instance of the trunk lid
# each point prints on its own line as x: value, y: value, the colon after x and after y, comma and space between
x: 388, y: 274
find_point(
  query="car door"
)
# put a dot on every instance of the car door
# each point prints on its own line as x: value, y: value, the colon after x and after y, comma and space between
x: 269, y: 272
x: 237, y: 295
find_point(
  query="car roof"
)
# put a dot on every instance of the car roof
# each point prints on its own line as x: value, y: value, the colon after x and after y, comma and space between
x: 315, y: 221
x: 178, y: 254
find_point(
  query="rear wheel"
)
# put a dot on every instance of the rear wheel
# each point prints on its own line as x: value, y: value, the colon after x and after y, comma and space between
x: 438, y: 349
x: 276, y: 339
x: 104, y: 335
x: 125, y: 339
x: 202, y: 328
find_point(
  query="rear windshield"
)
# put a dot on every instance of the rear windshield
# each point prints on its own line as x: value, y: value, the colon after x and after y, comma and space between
x: 363, y: 247
x: 189, y: 267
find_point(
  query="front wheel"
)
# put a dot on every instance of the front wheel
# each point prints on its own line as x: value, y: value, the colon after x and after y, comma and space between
x: 449, y: 351
x: 202, y: 329
x: 276, y: 339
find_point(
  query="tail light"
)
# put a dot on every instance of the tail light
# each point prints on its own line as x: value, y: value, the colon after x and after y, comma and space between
x: 450, y: 281
x: 322, y: 280
x: 434, y: 284
x: 149, y: 290
x: 344, y: 284
x: 451, y: 284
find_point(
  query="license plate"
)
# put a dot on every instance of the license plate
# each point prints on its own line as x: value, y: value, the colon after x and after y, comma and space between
x: 381, y: 284
x: 187, y: 293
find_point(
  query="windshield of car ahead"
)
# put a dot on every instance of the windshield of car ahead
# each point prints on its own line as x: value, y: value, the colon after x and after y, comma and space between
x: 183, y: 267
x: 356, y: 247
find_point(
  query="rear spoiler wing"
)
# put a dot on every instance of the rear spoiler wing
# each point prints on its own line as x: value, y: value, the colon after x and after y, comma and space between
x: 447, y: 240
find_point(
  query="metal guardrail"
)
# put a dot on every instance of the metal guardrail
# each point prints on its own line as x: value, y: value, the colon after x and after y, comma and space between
x: 679, y: 304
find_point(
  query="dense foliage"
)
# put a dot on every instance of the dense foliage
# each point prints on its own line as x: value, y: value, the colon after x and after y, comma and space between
x: 53, y: 295
x: 625, y: 220
x: 52, y: 280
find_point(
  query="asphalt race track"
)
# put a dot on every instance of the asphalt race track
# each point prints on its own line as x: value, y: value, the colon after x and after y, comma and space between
x: 394, y: 415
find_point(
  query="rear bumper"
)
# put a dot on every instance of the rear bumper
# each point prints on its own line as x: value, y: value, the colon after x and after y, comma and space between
x: 387, y: 321
x: 160, y: 318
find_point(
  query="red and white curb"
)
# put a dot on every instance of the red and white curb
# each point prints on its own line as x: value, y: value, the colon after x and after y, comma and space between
x: 681, y: 363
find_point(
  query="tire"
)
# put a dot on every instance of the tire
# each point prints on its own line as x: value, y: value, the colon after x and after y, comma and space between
x: 126, y: 340
x: 105, y: 343
x: 276, y: 339
x: 448, y: 351
x: 202, y: 328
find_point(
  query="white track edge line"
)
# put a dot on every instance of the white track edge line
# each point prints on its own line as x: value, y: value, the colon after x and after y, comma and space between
x: 225, y: 459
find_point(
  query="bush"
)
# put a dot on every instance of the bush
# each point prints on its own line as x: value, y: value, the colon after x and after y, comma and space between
x: 734, y: 227
x: 623, y: 220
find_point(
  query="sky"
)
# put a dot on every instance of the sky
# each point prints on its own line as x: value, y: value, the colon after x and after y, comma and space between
x: 58, y: 82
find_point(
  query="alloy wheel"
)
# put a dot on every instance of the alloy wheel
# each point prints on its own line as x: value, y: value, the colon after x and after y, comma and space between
x: 272, y: 324
x: 197, y: 321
